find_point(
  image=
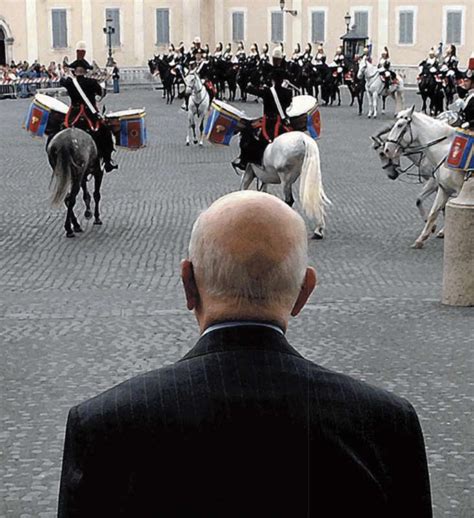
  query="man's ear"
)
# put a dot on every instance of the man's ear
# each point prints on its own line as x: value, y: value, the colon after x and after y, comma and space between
x: 189, y: 284
x: 309, y: 283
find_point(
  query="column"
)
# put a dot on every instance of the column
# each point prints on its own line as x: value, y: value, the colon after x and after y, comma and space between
x: 191, y: 20
x: 297, y: 26
x: 87, y: 28
x: 32, y: 31
x: 219, y: 21
x: 383, y: 27
x: 139, y: 32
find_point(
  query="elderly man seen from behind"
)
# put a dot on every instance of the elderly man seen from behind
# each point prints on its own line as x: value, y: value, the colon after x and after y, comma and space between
x: 243, y: 425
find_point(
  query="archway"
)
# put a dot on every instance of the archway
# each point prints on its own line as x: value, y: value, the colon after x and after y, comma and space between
x: 3, y: 55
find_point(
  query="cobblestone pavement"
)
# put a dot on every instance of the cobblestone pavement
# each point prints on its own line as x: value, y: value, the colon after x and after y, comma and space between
x: 79, y: 315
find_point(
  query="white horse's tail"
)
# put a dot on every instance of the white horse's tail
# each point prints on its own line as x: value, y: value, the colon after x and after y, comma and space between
x: 312, y: 196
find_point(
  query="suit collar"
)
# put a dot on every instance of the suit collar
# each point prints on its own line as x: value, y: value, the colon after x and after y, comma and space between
x: 244, y: 338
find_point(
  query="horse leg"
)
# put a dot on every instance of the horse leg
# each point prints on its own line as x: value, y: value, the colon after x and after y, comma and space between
x: 97, y: 183
x: 429, y: 188
x: 70, y: 201
x: 440, y: 201
x: 288, y: 193
x: 201, y: 131
x: 338, y: 91
x: 247, y: 178
x: 384, y: 100
x: 87, y: 198
x: 195, y: 140
x: 190, y: 122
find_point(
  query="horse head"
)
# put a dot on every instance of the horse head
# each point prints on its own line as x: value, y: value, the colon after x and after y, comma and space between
x: 401, y: 135
x: 391, y: 167
x: 362, y: 68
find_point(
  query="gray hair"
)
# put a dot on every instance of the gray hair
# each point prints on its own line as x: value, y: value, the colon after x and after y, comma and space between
x: 255, y: 279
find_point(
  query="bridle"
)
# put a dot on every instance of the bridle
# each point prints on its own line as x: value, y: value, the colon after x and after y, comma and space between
x: 398, y: 140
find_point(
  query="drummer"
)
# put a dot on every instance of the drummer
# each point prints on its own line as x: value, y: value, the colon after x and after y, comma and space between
x: 276, y: 100
x: 81, y: 115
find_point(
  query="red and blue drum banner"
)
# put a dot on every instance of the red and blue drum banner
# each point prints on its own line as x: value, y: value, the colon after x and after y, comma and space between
x: 220, y: 127
x: 132, y: 132
x: 37, y: 119
x: 313, y: 124
x: 461, y: 153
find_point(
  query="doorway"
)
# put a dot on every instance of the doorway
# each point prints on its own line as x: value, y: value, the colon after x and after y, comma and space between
x: 3, y: 57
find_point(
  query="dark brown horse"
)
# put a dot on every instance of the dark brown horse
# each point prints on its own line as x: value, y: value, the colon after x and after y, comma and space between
x: 73, y: 156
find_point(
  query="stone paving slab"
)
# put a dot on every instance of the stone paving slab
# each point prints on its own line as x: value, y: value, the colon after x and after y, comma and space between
x: 77, y: 316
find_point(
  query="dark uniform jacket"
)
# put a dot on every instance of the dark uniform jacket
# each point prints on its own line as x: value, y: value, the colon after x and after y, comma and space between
x: 244, y: 426
x: 468, y: 111
x: 91, y: 88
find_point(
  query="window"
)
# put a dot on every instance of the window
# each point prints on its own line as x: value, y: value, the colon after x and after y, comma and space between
x: 277, y: 27
x: 318, y: 26
x: 406, y: 27
x: 454, y: 27
x: 162, y: 26
x: 59, y: 22
x: 238, y: 26
x: 361, y: 21
x: 114, y: 16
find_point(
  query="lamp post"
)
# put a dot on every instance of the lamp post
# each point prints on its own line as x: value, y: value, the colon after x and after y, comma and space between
x: 347, y: 19
x: 293, y: 12
x: 109, y: 30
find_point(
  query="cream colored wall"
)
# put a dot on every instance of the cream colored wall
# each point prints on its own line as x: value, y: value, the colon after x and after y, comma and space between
x: 211, y: 19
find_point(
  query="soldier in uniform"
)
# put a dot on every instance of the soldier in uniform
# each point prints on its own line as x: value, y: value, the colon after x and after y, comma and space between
x: 467, y: 113
x: 276, y: 100
x: 320, y: 56
x: 307, y: 55
x: 430, y: 64
x: 219, y: 50
x: 80, y: 114
x: 384, y: 64
x: 450, y: 65
x: 240, y: 53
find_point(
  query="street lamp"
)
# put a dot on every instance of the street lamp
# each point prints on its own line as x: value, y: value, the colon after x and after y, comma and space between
x: 293, y: 12
x: 347, y: 19
x: 109, y: 30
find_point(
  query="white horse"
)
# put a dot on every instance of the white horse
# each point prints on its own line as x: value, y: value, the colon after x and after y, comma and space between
x: 375, y: 88
x: 417, y: 131
x: 198, y: 106
x: 291, y: 156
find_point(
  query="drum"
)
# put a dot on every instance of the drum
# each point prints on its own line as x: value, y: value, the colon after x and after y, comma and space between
x: 461, y: 153
x: 128, y: 127
x: 223, y: 122
x: 45, y: 115
x: 304, y: 115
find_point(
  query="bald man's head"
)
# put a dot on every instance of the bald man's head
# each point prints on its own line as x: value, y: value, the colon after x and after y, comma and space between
x: 249, y: 248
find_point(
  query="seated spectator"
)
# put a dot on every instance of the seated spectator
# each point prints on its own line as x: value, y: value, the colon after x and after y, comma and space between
x: 243, y: 425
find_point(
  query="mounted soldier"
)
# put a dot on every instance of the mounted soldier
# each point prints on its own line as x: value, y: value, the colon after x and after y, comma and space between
x: 387, y: 75
x: 83, y: 112
x: 240, y: 55
x: 340, y: 63
x: 307, y: 55
x: 430, y: 65
x: 276, y: 100
x: 467, y: 112
x: 320, y: 57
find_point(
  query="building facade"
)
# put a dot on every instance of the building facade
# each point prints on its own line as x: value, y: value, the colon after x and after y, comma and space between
x: 47, y: 30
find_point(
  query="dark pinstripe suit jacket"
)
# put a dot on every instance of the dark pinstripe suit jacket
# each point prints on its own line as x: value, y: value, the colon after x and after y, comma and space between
x: 244, y: 426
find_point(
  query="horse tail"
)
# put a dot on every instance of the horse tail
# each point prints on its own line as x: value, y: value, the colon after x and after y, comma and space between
x: 62, y: 160
x: 312, y: 196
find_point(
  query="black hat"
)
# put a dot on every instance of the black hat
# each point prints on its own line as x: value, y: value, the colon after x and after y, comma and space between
x: 80, y: 63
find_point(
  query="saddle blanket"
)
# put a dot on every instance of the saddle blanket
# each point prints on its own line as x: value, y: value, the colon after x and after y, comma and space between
x: 461, y: 153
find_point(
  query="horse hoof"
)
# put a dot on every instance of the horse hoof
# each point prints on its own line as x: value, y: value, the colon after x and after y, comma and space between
x: 201, y: 144
x: 317, y: 235
x: 70, y: 234
x: 187, y: 143
x: 98, y: 221
x: 195, y: 142
x: 88, y: 214
x: 417, y: 245
x: 440, y: 234
x: 78, y: 229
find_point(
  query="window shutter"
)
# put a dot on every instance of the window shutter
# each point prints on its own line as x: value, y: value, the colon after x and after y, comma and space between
x: 237, y: 26
x: 406, y: 27
x: 114, y: 15
x: 277, y: 26
x: 317, y: 26
x: 59, y: 22
x: 162, y: 26
x: 361, y: 20
x: 453, y: 27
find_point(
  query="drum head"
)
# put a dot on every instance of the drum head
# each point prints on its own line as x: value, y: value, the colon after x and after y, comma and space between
x: 52, y: 103
x: 301, y: 104
x: 221, y: 105
x: 126, y: 113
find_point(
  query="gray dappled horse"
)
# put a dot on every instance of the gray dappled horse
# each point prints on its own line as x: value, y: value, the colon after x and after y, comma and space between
x: 291, y: 156
x: 73, y: 156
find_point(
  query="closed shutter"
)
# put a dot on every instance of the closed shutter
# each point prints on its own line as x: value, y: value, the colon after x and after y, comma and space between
x: 238, y: 26
x: 406, y: 27
x: 162, y: 26
x: 277, y: 26
x: 318, y: 20
x: 114, y: 16
x: 361, y: 21
x: 59, y: 21
x: 453, y: 27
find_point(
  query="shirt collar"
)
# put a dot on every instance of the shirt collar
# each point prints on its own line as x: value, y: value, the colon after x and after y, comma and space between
x: 241, y: 323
